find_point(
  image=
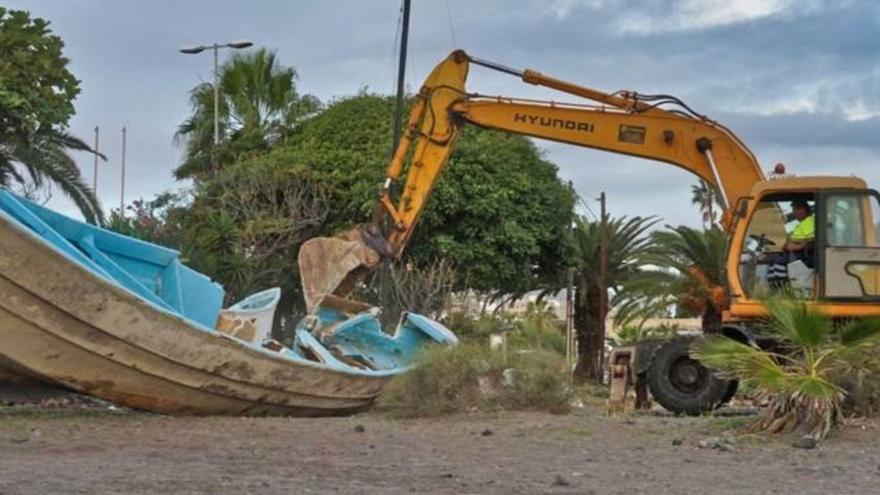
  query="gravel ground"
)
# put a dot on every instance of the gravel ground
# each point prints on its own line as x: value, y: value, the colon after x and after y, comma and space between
x: 97, y: 450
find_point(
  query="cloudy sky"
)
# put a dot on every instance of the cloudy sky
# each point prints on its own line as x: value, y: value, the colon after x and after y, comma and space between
x: 799, y: 80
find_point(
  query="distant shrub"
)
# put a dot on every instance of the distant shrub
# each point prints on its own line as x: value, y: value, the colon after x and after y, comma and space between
x: 477, y: 329
x: 535, y: 331
x: 473, y: 377
x: 539, y: 382
x: 527, y: 334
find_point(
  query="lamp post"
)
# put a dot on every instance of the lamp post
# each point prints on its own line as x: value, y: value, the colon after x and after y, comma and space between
x: 192, y: 50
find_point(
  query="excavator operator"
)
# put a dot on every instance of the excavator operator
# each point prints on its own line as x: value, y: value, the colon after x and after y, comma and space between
x: 804, y: 232
x: 799, y: 245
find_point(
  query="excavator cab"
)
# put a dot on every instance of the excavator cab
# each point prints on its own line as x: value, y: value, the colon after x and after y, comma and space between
x: 763, y: 253
x: 839, y: 269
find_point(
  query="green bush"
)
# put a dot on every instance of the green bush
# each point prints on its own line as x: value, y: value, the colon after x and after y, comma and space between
x: 472, y: 377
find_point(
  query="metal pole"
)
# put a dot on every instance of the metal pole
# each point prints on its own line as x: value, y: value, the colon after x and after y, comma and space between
x: 603, y: 288
x: 385, y: 274
x: 718, y: 184
x: 570, y: 348
x: 401, y: 75
x: 704, y: 144
x: 569, y: 325
x: 95, y: 172
x: 216, y: 97
x: 122, y: 181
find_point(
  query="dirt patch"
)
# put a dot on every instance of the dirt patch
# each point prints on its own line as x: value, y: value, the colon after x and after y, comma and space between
x: 32, y: 393
x: 76, y: 451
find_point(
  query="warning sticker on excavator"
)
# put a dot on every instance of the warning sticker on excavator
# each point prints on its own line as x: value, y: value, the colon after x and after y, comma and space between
x: 631, y: 134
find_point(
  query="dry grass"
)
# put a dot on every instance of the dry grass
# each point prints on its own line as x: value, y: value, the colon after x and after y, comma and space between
x: 471, y: 377
x: 862, y: 384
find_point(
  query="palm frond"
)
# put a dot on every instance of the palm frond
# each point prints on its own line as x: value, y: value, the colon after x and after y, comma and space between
x: 46, y: 156
x: 796, y: 322
x: 860, y: 331
x: 752, y: 366
x: 258, y: 106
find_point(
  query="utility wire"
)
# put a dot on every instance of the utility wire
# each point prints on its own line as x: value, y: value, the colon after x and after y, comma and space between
x: 586, y: 206
x: 389, y: 66
x: 451, y: 26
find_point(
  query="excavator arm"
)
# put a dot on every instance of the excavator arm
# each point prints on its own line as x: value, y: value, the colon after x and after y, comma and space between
x: 655, y: 127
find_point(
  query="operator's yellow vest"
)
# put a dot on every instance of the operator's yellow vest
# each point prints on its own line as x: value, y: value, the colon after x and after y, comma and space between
x: 805, y: 230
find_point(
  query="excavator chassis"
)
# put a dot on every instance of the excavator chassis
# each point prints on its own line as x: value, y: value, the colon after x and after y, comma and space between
x: 664, y: 367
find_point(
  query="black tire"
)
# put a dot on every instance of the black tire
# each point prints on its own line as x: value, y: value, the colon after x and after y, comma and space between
x: 732, y: 386
x: 680, y: 383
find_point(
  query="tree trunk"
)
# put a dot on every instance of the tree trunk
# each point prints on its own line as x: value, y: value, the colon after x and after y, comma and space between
x: 711, y: 320
x: 589, y: 322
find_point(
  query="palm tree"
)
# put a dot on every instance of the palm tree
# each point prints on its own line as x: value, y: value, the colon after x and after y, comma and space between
x: 540, y: 322
x: 258, y: 106
x: 628, y: 247
x: 706, y: 197
x: 800, y: 384
x: 688, y: 272
x: 43, y: 159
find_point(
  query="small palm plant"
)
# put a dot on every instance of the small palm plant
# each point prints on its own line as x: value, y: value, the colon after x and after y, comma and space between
x: 799, y: 379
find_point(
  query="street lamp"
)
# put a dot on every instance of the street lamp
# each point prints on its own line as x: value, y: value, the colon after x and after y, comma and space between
x: 192, y: 50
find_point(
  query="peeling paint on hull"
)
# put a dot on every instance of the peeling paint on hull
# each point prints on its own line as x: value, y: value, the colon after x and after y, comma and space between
x: 67, y: 325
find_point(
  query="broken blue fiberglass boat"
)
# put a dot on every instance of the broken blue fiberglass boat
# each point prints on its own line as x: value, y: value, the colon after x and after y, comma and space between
x: 124, y: 320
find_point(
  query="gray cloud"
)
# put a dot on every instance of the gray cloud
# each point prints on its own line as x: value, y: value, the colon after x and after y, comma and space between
x: 798, y: 81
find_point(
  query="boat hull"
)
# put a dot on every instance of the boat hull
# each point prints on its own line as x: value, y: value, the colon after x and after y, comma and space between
x: 65, y: 324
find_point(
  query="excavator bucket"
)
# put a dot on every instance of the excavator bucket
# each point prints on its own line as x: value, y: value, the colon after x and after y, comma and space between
x: 332, y: 266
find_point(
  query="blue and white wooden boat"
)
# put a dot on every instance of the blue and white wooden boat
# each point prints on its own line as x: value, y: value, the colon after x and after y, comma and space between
x: 126, y: 321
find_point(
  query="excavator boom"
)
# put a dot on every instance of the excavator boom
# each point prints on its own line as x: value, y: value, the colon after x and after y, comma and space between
x: 655, y: 127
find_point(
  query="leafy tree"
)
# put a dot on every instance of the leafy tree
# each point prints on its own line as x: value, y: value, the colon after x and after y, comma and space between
x: 499, y: 214
x: 258, y: 106
x: 245, y: 226
x: 628, y: 249
x: 36, y: 102
x: 689, y: 274
x: 800, y: 382
x: 36, y: 89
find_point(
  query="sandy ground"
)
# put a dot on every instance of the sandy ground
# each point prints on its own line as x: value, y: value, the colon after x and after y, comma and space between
x: 71, y: 450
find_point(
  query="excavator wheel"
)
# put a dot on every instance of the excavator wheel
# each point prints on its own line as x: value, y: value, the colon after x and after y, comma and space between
x: 732, y: 387
x: 680, y: 383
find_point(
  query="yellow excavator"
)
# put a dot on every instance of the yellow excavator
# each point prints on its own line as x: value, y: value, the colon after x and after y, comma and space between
x: 839, y: 273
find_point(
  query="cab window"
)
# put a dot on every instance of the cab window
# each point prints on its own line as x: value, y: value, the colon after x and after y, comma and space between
x: 852, y: 251
x: 849, y: 220
x: 772, y: 223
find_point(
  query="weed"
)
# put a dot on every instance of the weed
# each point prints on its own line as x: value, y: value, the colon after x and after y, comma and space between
x: 729, y: 423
